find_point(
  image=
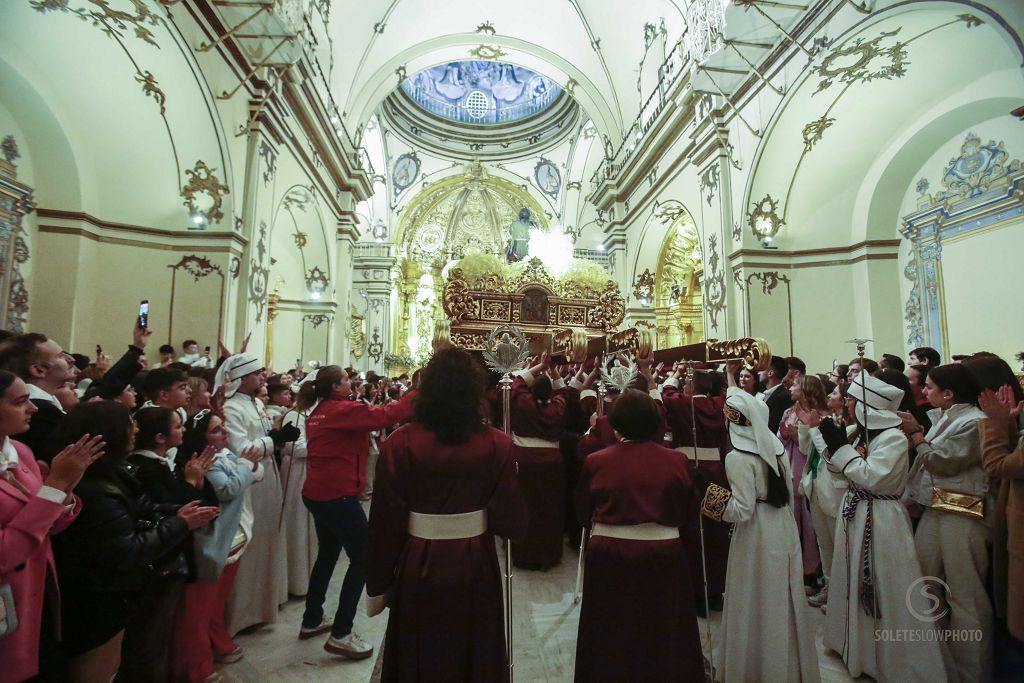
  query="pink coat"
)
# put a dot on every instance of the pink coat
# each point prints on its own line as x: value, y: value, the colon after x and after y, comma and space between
x: 26, y: 562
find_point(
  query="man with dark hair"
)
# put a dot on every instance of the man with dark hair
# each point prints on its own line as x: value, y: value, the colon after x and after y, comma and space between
x: 891, y: 362
x: 167, y: 388
x: 797, y: 369
x: 925, y: 355
x: 775, y: 393
x: 917, y: 375
x: 166, y: 356
x: 869, y: 365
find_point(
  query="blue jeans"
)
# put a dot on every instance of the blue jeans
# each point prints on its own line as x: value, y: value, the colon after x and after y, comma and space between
x: 340, y: 523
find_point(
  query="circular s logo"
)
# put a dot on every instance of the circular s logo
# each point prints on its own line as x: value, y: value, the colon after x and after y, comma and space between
x: 933, y: 607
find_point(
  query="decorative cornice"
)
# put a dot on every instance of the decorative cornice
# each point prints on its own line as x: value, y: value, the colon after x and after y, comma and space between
x: 870, y: 250
x: 98, y: 230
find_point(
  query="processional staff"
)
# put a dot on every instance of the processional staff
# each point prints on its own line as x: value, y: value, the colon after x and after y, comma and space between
x: 504, y: 351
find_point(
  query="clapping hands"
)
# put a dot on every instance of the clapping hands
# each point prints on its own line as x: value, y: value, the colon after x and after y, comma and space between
x: 69, y: 465
x: 1001, y: 404
x: 196, y: 516
x: 198, y: 465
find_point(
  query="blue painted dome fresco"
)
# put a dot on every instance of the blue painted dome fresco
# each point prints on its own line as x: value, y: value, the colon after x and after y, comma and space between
x: 480, y: 92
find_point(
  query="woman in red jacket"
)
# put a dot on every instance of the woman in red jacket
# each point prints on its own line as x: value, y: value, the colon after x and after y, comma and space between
x: 337, y: 445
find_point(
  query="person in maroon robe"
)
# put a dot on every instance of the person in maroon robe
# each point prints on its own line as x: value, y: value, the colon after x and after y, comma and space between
x: 538, y: 421
x: 446, y: 486
x: 702, y: 400
x: 637, y: 619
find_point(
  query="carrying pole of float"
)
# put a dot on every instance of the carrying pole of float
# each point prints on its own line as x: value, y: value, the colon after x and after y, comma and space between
x: 577, y: 594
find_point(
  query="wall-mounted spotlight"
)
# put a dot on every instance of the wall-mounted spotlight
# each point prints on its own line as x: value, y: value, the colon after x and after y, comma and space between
x: 196, y: 220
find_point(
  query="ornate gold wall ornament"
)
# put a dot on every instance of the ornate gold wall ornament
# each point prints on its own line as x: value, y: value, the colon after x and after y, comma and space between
x: 714, y: 283
x: 202, y: 180
x: 814, y: 130
x: 485, y: 27
x: 487, y: 52
x: 970, y: 20
x: 269, y: 157
x: 458, y: 302
x: 764, y: 219
x: 316, y: 280
x: 375, y: 349
x: 259, y: 273
x: 769, y: 280
x: 301, y: 239
x: 15, y: 202
x: 836, y: 65
x: 357, y: 334
x: 643, y: 288
x: 316, y: 319
x: 150, y: 88
x: 115, y: 23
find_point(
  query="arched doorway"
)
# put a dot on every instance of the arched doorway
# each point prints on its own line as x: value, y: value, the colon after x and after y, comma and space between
x: 678, y: 303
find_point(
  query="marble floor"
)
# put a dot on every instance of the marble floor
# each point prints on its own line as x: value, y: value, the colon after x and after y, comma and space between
x: 544, y: 640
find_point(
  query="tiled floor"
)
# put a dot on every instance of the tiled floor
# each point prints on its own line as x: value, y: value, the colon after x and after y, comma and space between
x: 544, y: 639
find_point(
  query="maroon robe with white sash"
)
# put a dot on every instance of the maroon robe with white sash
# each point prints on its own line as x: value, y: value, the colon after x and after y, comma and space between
x: 637, y: 620
x: 446, y: 618
x: 536, y: 429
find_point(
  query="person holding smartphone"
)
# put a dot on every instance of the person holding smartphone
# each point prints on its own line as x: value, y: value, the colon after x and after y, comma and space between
x: 192, y: 355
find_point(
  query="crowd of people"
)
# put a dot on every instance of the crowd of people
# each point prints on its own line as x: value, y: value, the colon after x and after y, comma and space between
x: 150, y: 514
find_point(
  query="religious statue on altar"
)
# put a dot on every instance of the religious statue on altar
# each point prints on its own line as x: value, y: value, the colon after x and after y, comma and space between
x: 518, y: 244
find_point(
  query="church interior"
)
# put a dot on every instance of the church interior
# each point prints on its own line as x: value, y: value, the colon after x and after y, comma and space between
x: 321, y: 183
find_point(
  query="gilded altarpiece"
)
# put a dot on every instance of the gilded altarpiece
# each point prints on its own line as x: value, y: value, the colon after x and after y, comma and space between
x: 678, y: 302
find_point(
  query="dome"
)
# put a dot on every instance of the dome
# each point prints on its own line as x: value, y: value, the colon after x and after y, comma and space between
x: 481, y: 92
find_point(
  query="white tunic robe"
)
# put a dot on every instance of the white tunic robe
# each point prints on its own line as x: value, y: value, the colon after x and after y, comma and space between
x: 766, y: 636
x: 296, y: 522
x: 880, y: 647
x: 262, y: 583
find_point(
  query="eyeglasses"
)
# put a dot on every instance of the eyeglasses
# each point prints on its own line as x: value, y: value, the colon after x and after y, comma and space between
x: 199, y: 416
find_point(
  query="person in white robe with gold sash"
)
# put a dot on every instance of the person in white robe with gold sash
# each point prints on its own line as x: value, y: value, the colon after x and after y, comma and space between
x: 262, y: 582
x: 766, y: 634
x: 878, y: 618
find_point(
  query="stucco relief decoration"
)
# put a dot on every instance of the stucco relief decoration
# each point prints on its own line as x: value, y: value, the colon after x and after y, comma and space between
x: 259, y: 274
x: 488, y: 52
x: 709, y: 182
x: 15, y: 203
x: 769, y: 280
x: 764, y: 218
x: 151, y: 89
x: 485, y: 27
x: 863, y: 61
x: 316, y: 280
x: 113, y: 22
x: 316, y: 319
x: 235, y: 267
x: 269, y: 157
x: 643, y: 288
x: 714, y: 283
x: 912, y: 308
x: 197, y: 266
x: 814, y: 130
x: 357, y: 333
x: 976, y: 168
x: 9, y: 148
x: 301, y: 239
x: 202, y: 181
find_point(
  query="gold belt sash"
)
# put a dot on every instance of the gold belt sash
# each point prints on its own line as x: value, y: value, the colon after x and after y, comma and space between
x: 533, y: 442
x: 447, y: 527
x: 648, y: 531
x: 704, y: 453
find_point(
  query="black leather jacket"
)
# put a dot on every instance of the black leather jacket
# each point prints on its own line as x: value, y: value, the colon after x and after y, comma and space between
x: 121, y: 540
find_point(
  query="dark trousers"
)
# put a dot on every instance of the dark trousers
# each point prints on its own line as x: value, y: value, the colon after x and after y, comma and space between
x: 148, y: 647
x: 340, y: 523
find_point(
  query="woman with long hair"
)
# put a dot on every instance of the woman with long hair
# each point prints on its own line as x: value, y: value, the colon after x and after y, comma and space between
x: 116, y: 547
x: 635, y: 496
x: 446, y: 486
x: 200, y: 634
x: 806, y: 392
x: 337, y: 446
x: 296, y: 521
x: 33, y: 506
x: 952, y: 540
x: 765, y: 631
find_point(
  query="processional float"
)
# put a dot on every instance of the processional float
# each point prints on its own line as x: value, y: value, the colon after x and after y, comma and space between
x: 530, y: 312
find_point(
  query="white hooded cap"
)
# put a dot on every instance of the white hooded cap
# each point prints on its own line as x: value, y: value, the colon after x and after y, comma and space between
x: 756, y: 437
x: 231, y: 372
x: 877, y: 402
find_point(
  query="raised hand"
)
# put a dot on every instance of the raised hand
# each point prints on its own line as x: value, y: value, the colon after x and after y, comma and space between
x: 196, y: 516
x: 69, y: 465
x: 198, y: 465
x: 811, y: 418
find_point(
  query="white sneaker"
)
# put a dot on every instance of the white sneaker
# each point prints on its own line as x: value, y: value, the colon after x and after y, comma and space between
x: 351, y: 646
x: 820, y: 598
